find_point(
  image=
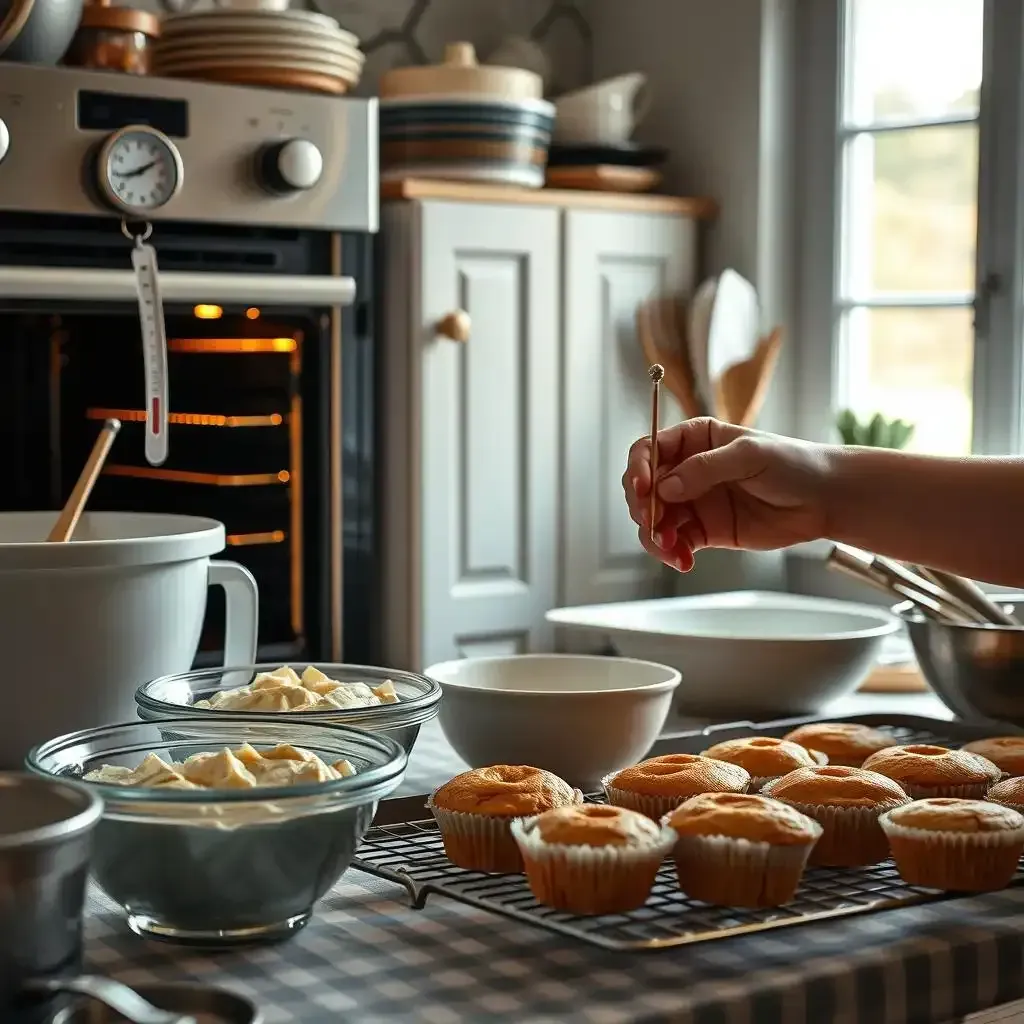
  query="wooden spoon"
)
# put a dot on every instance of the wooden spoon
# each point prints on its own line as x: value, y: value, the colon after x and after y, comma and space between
x: 659, y: 346
x: 72, y: 511
x: 740, y: 391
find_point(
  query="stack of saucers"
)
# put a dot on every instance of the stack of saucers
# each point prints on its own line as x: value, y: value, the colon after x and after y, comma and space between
x: 287, y: 49
x: 464, y: 122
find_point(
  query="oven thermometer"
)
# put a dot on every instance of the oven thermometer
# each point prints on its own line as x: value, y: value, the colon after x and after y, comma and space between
x: 139, y: 170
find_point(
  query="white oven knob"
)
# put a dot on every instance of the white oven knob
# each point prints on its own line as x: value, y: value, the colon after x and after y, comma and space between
x: 5, y: 139
x: 294, y: 165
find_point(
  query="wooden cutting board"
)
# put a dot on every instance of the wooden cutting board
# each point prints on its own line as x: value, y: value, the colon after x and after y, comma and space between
x: 604, y: 178
x: 894, y: 679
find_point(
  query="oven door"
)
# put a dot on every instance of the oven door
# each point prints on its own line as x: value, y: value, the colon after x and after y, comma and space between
x: 255, y: 433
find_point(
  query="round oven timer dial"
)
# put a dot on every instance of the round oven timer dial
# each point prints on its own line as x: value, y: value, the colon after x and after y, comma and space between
x: 139, y: 170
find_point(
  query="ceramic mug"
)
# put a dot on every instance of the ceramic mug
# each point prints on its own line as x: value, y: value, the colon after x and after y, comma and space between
x: 605, y: 112
x: 82, y: 624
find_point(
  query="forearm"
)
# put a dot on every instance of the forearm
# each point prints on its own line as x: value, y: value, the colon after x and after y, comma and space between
x: 962, y: 515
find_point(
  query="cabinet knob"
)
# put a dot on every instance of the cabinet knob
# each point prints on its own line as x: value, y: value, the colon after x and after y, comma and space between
x: 455, y: 325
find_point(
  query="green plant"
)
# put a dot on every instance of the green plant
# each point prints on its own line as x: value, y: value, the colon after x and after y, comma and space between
x: 877, y: 433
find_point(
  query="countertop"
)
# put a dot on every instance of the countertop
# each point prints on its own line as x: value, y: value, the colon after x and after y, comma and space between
x: 367, y: 957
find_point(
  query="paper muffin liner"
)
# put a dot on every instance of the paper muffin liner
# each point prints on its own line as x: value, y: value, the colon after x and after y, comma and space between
x: 733, y: 872
x: 590, y: 880
x: 480, y: 842
x: 973, y: 791
x: 954, y: 861
x: 852, y: 837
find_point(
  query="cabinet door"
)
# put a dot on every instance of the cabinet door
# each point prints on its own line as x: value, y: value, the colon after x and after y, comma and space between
x: 489, y: 409
x: 613, y: 262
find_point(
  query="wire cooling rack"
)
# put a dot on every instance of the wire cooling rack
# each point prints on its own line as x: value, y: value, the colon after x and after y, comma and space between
x: 411, y: 853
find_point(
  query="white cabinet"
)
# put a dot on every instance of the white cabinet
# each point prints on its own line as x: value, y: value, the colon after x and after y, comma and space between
x: 480, y: 547
x: 502, y: 454
x: 613, y: 263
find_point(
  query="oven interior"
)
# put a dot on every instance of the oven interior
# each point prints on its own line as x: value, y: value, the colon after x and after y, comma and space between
x: 250, y: 400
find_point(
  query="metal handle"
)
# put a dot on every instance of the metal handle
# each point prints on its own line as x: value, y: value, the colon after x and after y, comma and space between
x: 455, y: 325
x: 72, y: 283
x: 124, y: 1001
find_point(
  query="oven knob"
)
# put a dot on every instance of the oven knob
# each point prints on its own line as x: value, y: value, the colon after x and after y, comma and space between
x: 293, y: 165
x: 5, y: 139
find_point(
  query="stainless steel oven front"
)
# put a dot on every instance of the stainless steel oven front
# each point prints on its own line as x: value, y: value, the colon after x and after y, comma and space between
x: 264, y: 244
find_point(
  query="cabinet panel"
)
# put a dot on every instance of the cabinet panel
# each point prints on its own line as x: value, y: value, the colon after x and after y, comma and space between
x: 488, y: 482
x: 613, y: 262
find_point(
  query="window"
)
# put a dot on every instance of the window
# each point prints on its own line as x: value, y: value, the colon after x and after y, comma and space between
x: 911, y: 202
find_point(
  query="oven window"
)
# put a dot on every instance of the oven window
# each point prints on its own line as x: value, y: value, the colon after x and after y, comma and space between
x: 246, y: 401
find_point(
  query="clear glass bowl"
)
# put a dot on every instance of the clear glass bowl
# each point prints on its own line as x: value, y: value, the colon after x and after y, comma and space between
x: 225, y: 866
x: 419, y: 698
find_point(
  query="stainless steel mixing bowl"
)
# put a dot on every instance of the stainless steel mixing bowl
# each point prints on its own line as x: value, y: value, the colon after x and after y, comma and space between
x: 976, y: 671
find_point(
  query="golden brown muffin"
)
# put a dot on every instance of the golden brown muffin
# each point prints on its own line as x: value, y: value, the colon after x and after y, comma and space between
x: 765, y: 757
x: 656, y: 786
x: 848, y: 743
x: 591, y: 858
x: 1009, y: 793
x: 474, y: 810
x: 846, y: 802
x: 955, y: 844
x: 924, y: 770
x: 740, y: 850
x: 1005, y: 752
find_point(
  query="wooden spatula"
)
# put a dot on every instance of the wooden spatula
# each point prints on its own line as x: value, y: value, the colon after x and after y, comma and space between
x: 660, y: 343
x: 741, y: 390
x: 72, y: 511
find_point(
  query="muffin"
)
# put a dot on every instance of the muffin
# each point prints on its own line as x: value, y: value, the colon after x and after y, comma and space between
x: 846, y: 802
x: 591, y: 858
x: 660, y: 784
x: 740, y: 850
x: 474, y: 810
x: 924, y: 771
x: 1009, y: 793
x: 1005, y: 752
x: 955, y: 844
x: 848, y: 743
x: 765, y: 757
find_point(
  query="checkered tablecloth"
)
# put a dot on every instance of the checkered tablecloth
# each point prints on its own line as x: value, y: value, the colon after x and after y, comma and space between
x: 367, y: 958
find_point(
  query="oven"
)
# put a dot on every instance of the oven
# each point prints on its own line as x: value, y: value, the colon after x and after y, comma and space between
x: 265, y: 268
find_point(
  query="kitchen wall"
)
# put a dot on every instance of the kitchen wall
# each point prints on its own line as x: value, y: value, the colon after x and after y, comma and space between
x: 722, y: 74
x: 399, y: 32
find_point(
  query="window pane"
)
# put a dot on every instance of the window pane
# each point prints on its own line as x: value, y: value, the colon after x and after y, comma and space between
x: 912, y: 213
x: 914, y: 364
x: 912, y: 58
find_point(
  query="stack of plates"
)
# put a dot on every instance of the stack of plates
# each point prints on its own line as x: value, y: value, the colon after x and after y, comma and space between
x: 287, y: 49
x: 466, y: 138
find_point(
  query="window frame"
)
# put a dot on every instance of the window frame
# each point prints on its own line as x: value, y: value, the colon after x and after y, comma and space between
x: 998, y: 403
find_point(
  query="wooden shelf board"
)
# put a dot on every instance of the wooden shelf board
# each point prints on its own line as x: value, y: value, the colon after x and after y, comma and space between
x: 472, y: 192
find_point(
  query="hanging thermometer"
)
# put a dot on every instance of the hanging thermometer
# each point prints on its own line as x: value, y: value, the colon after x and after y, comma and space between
x: 154, y: 347
x: 139, y: 170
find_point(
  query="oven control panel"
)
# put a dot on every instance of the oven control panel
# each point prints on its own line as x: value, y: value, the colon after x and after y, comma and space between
x: 84, y: 142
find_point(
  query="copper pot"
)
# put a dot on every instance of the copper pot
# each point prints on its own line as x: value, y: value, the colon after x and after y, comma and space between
x: 114, y: 39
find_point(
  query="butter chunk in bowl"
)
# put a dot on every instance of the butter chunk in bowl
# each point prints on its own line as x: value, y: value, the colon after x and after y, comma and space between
x: 368, y: 697
x: 222, y: 830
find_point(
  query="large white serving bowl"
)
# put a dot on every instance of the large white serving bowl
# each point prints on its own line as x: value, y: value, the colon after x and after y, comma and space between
x: 745, y: 654
x: 579, y: 716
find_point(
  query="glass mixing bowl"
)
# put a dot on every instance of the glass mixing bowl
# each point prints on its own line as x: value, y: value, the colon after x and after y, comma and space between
x: 418, y: 698
x: 224, y: 866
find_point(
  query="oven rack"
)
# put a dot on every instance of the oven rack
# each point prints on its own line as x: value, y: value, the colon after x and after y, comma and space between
x: 411, y: 854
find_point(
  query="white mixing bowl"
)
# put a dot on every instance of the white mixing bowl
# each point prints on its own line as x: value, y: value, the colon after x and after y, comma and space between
x: 579, y: 716
x: 745, y: 654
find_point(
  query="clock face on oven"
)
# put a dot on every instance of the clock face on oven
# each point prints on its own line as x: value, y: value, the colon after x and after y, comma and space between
x: 139, y: 170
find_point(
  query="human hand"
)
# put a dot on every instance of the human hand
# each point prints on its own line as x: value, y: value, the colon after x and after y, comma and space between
x: 723, y: 486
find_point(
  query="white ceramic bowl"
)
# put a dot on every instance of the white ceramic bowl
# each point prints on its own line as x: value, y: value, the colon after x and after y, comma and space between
x: 745, y: 654
x: 579, y: 716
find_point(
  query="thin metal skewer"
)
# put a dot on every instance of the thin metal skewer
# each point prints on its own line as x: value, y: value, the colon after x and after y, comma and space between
x: 657, y: 375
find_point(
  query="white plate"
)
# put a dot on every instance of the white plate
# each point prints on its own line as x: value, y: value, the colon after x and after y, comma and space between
x: 282, y: 57
x: 198, y: 66
x: 746, y: 653
x: 259, y: 41
x: 526, y: 177
x: 248, y: 21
